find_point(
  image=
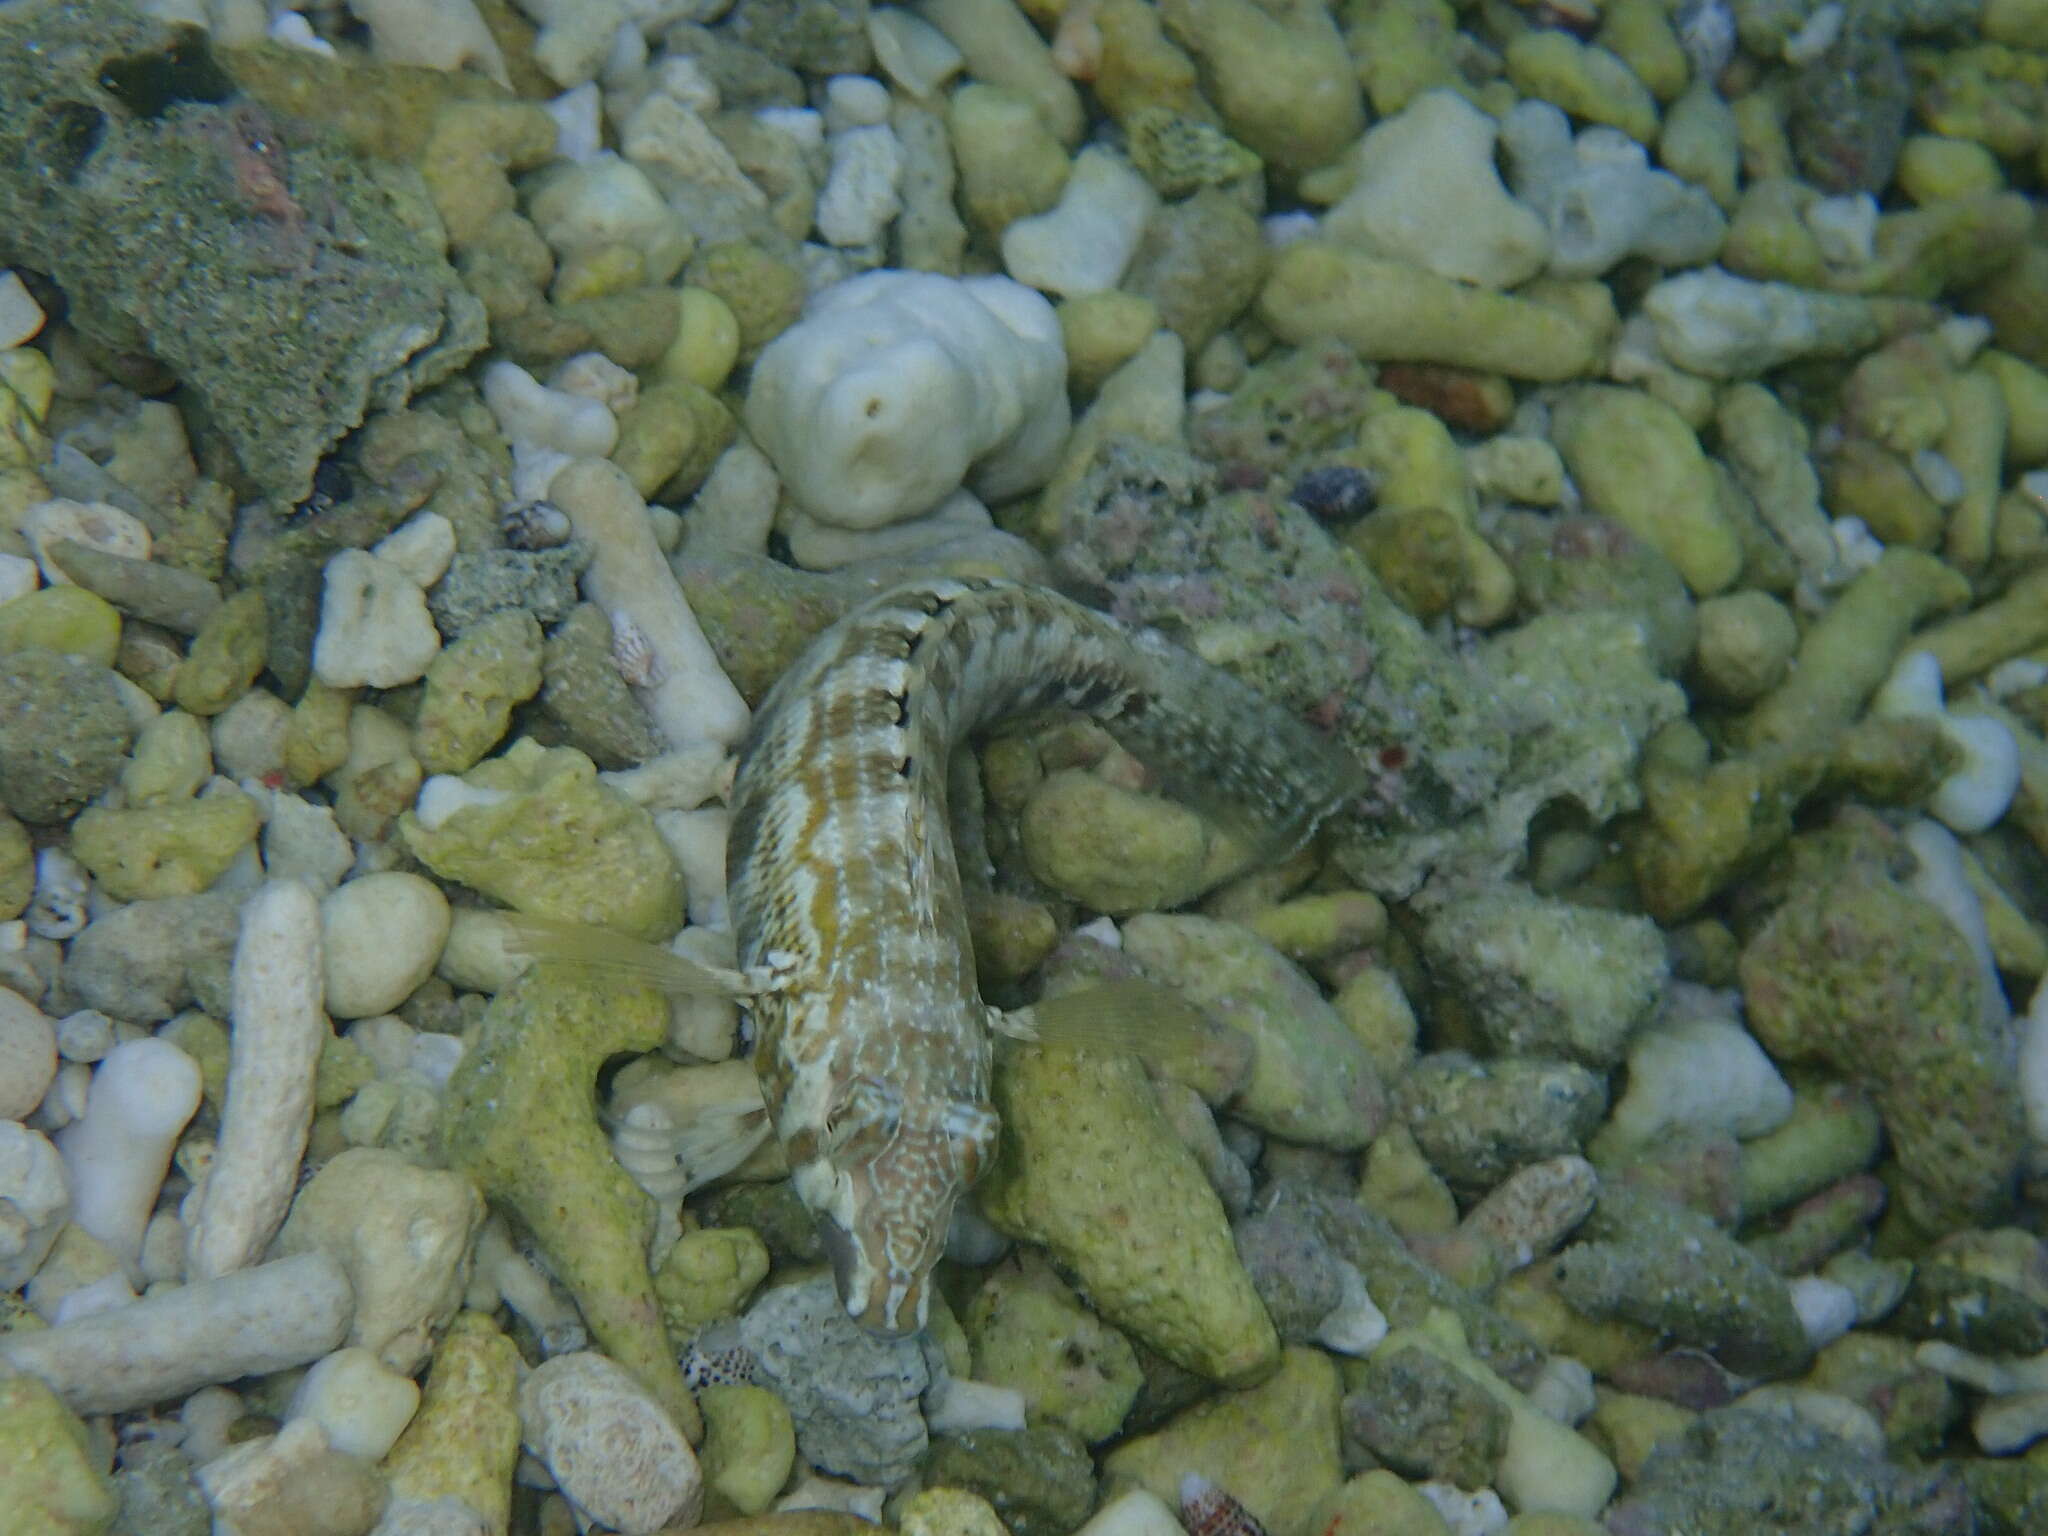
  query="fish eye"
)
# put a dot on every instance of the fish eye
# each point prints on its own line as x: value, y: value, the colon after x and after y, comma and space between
x: 866, y: 1112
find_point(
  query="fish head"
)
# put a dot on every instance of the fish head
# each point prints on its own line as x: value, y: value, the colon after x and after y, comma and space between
x: 882, y: 1192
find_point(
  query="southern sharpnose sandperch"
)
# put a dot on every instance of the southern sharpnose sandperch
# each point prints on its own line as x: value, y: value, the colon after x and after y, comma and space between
x: 872, y: 1041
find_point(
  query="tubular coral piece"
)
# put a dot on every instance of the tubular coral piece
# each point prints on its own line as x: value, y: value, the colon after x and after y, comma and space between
x: 1846, y: 654
x: 279, y: 1027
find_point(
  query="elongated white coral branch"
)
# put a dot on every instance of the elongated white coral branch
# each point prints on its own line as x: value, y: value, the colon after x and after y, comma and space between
x: 279, y: 1026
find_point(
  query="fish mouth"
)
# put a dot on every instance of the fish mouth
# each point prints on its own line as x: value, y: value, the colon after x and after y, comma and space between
x: 854, y: 1282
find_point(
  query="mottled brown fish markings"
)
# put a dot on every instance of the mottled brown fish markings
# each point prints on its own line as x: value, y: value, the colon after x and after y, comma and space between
x: 873, y: 1043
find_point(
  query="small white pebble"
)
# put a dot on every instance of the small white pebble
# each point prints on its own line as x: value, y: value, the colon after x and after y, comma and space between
x: 1962, y: 337
x: 683, y: 78
x: 18, y: 577
x: 1467, y: 1514
x: 1845, y: 228
x: 108, y: 1293
x: 1826, y: 1309
x: 579, y: 122
x: 1283, y: 229
x: 294, y: 31
x: 436, y: 1056
x: 1816, y: 37
x: 360, y: 1402
x: 962, y: 1405
x: 800, y: 123
x: 2034, y: 486
x: 855, y: 101
x: 444, y: 794
x: 1938, y: 477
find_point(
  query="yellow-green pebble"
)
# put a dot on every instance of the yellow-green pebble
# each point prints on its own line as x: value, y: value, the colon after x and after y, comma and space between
x: 671, y: 436
x: 164, y: 850
x: 763, y: 293
x: 1378, y: 1503
x: 27, y: 384
x: 1011, y: 163
x: 1376, y: 1011
x: 62, y: 618
x: 1328, y: 923
x: 1745, y: 645
x: 1111, y: 847
x: 472, y: 687
x: 1637, y: 462
x: 316, y: 741
x: 706, y: 1275
x: 1639, y: 33
x: 2025, y: 388
x: 596, y: 272
x: 1583, y: 79
x: 205, y: 1039
x: 171, y: 758
x: 17, y: 867
x: 226, y: 655
x: 1933, y: 168
x: 1398, y: 1183
x: 1102, y: 332
x: 749, y: 1445
x: 707, y: 340
x: 464, y: 1441
x: 949, y: 1512
x: 54, y: 1483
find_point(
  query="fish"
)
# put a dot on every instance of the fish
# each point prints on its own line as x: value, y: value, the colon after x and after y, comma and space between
x: 873, y: 1045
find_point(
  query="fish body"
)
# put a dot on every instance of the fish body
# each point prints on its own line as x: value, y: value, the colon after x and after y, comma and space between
x: 872, y: 1042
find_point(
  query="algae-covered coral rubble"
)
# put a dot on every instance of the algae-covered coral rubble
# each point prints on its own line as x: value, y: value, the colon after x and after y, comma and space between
x: 287, y: 284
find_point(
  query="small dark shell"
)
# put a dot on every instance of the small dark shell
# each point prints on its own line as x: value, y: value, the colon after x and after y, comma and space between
x: 535, y: 525
x: 1335, y: 493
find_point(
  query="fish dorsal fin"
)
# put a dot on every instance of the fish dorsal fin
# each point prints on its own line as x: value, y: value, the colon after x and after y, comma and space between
x: 599, y: 949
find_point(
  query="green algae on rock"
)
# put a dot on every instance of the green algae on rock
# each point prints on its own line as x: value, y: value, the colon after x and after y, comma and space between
x: 707, y: 1275
x: 463, y: 1443
x: 64, y: 733
x: 472, y: 687
x: 1028, y: 1330
x: 165, y: 850
x: 749, y: 1445
x: 209, y: 272
x: 1090, y: 1167
x: 1857, y: 972
x: 1543, y: 978
x: 67, y: 619
x: 1311, y: 1080
x: 529, y: 1082
x: 55, y: 1485
x: 1273, y: 1445
x: 1038, y: 1479
x: 547, y: 837
x: 1654, y: 1262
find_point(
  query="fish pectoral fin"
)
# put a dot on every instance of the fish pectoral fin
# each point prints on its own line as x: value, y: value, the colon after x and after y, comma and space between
x: 599, y: 949
x: 718, y: 1140
x: 1129, y: 1017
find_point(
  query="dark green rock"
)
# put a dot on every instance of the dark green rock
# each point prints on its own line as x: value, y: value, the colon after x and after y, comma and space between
x: 287, y: 284
x: 1426, y: 1419
x: 64, y: 733
x: 1736, y: 1473
x: 1039, y: 1479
